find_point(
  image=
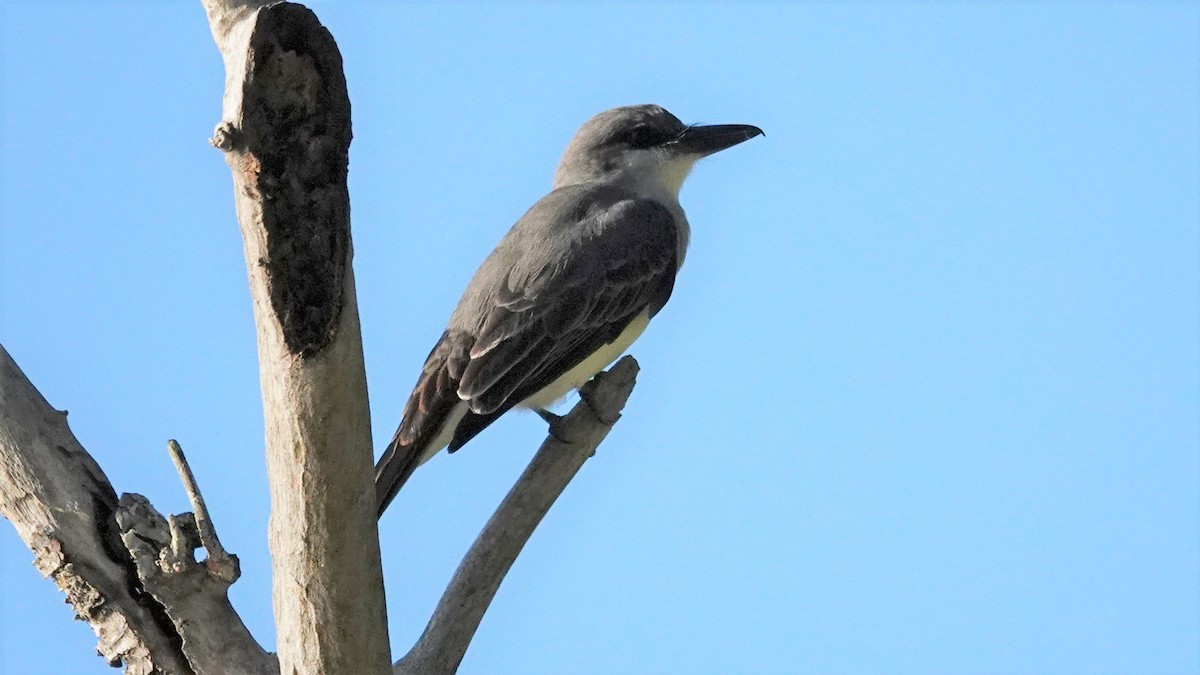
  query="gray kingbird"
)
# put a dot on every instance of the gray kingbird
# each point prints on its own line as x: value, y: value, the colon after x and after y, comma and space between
x: 567, y: 290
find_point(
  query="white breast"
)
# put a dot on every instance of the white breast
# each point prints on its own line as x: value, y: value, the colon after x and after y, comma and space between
x: 599, y: 360
x: 556, y: 390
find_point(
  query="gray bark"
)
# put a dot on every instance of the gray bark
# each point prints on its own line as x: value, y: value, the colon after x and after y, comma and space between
x: 285, y: 131
x: 194, y: 594
x: 63, y: 508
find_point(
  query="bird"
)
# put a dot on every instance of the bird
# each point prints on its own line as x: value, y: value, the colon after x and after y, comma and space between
x: 567, y: 290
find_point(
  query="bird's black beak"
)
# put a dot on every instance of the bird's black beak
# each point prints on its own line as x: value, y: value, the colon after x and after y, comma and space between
x: 707, y: 139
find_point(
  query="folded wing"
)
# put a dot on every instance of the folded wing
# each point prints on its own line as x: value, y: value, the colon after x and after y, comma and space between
x: 569, y: 278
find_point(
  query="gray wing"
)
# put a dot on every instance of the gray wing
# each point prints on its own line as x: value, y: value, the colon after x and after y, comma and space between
x: 567, y: 279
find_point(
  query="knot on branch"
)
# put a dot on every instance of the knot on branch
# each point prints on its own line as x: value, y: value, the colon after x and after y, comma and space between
x: 226, y: 137
x: 605, y: 394
x: 165, y: 547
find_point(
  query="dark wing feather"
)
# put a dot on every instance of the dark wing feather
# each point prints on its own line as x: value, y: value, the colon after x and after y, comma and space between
x: 629, y: 269
x: 431, y: 401
x: 566, y: 280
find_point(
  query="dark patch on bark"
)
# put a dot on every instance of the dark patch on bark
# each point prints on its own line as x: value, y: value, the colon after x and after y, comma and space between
x: 105, y: 505
x: 296, y: 128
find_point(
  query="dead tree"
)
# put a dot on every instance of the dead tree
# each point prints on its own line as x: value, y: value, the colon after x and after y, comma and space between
x: 131, y: 573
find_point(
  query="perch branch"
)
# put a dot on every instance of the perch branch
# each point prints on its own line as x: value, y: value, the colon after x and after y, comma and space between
x: 573, y: 440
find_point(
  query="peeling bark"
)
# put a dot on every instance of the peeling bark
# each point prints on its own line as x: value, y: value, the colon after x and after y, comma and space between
x: 63, y: 507
x: 194, y: 594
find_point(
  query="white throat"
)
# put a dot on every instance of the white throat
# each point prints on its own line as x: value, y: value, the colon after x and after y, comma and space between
x: 653, y: 174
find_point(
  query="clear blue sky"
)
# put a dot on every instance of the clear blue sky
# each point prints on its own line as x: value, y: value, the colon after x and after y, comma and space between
x: 926, y: 398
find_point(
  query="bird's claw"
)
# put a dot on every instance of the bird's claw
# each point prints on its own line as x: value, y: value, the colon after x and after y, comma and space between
x: 554, y: 421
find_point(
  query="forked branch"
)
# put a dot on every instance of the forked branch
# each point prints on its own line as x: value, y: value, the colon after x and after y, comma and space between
x: 194, y: 594
x: 130, y: 572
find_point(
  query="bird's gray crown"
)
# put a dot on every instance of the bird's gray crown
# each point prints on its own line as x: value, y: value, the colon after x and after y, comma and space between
x: 599, y: 144
x: 633, y: 126
x: 643, y: 146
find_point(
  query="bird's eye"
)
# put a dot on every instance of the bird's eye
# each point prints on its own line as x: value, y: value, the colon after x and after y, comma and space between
x: 643, y: 137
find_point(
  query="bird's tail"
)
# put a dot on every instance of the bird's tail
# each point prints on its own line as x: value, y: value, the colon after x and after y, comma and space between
x: 392, y: 471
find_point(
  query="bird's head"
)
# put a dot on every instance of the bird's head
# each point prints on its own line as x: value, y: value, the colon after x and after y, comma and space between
x: 644, y: 145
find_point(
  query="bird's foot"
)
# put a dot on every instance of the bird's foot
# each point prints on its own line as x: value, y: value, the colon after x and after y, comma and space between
x: 555, y: 421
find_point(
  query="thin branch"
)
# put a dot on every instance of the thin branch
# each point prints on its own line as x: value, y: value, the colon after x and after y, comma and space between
x: 219, y: 561
x: 573, y: 440
x: 195, y: 595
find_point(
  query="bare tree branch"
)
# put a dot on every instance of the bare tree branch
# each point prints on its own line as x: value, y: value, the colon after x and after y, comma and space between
x: 219, y: 562
x: 63, y: 507
x: 285, y: 131
x: 130, y: 572
x: 573, y: 440
x: 195, y: 595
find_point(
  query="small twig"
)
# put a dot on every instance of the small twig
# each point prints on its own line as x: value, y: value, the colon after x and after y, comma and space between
x: 572, y: 441
x: 196, y: 598
x: 219, y: 561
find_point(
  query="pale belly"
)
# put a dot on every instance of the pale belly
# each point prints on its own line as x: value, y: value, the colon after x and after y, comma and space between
x: 556, y: 390
x: 446, y: 434
x: 577, y: 376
